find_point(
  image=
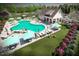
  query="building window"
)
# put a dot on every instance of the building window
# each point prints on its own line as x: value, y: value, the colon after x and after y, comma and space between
x: 47, y: 19
x: 60, y: 20
x: 44, y: 18
x: 57, y: 19
x: 50, y: 20
x: 54, y: 21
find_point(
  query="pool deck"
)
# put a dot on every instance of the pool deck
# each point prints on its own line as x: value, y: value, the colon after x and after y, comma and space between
x: 33, y: 40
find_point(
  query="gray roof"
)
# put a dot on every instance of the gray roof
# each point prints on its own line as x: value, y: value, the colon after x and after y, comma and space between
x: 52, y: 12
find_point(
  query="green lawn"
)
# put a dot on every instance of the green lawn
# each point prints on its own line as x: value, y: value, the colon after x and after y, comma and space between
x: 43, y: 47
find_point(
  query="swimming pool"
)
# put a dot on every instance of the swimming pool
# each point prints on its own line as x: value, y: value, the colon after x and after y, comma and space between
x: 15, y: 38
x: 23, y: 24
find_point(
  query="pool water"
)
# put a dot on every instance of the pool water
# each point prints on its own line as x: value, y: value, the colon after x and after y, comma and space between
x: 11, y: 40
x: 23, y: 24
x: 15, y: 38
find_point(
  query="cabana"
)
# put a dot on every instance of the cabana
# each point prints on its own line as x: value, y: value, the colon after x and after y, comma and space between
x: 55, y: 26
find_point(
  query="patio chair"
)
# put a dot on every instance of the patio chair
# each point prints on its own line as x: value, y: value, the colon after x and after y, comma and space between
x: 11, y: 47
x: 22, y: 41
x: 40, y: 34
x: 1, y: 49
x: 28, y: 40
x: 37, y: 35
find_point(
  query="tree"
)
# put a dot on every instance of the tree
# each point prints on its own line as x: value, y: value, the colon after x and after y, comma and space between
x: 65, y: 8
x: 12, y: 8
x: 21, y: 9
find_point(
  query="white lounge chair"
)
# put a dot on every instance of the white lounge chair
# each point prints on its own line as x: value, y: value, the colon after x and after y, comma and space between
x: 37, y: 35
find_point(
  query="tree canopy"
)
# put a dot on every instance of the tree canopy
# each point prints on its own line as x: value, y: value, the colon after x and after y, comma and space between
x: 13, y: 9
x: 67, y: 8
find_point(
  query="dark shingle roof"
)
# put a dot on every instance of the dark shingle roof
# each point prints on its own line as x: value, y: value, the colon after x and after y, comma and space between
x: 52, y: 12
